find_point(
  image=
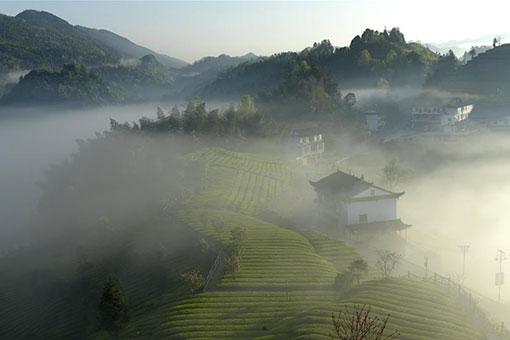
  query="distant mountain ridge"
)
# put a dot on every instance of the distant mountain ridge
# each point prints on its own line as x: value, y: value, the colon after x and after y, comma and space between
x: 129, y: 49
x: 36, y: 38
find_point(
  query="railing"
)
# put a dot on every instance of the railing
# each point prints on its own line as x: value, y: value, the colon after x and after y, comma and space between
x: 466, y: 299
x: 212, y: 271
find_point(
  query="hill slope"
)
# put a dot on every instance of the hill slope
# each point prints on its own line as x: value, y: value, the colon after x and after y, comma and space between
x: 371, y: 56
x: 487, y: 73
x: 128, y: 49
x: 284, y: 288
x: 37, y: 38
x: 33, y: 39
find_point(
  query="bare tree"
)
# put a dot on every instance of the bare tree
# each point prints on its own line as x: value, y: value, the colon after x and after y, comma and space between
x: 393, y: 174
x: 387, y: 262
x: 358, y: 324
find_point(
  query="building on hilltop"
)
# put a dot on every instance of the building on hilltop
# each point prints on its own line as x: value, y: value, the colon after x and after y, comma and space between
x: 358, y: 206
x: 442, y: 118
x: 307, y: 145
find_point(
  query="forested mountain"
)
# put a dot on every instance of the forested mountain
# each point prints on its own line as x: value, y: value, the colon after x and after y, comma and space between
x: 145, y: 79
x: 145, y: 72
x: 487, y: 75
x: 193, y: 78
x: 32, y: 39
x: 75, y: 83
x: 128, y: 49
x: 217, y: 64
x: 372, y: 59
x: 36, y: 38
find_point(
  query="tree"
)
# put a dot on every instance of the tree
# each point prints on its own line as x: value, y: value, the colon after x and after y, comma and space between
x: 396, y: 36
x: 393, y: 175
x: 233, y: 264
x: 494, y: 42
x: 350, y: 99
x: 194, y: 280
x: 235, y: 249
x: 247, y: 106
x: 358, y: 324
x: 472, y: 52
x: 387, y: 262
x: 204, y: 245
x: 365, y: 59
x: 237, y: 239
x: 382, y: 83
x: 344, y: 281
x: 358, y: 268
x: 218, y: 225
x: 113, y: 307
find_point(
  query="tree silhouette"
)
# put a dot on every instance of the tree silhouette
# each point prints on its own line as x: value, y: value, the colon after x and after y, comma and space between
x: 113, y: 307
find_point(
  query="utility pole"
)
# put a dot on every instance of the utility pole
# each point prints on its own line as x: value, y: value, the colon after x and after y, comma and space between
x: 500, y: 276
x: 464, y: 249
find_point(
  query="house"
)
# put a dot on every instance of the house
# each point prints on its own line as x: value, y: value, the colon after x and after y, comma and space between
x: 374, y: 120
x: 307, y: 145
x: 358, y: 205
x: 441, y: 118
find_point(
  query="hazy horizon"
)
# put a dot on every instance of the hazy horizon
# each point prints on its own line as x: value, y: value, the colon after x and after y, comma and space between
x: 184, y: 29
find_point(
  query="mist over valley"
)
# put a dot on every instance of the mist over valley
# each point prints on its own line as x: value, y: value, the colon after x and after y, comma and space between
x: 328, y: 192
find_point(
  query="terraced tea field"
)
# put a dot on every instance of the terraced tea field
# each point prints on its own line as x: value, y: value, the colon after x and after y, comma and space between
x: 284, y: 288
x: 238, y: 181
x: 419, y: 310
x: 273, y: 256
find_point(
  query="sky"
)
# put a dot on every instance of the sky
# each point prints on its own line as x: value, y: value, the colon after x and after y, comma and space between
x: 190, y: 30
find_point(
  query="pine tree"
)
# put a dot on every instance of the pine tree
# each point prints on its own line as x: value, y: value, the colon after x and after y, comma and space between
x: 113, y: 305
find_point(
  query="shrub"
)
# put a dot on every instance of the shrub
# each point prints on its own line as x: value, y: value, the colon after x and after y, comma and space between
x: 113, y: 307
x: 194, y: 279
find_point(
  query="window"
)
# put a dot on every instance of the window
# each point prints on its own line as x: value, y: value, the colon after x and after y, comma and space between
x: 363, y: 218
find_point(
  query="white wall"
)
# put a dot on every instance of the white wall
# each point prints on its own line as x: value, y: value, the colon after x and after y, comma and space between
x: 379, y: 210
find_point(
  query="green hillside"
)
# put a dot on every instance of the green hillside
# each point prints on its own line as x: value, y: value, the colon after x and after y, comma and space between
x: 369, y: 57
x: 128, y: 49
x: 73, y: 84
x: 33, y: 39
x: 487, y: 73
x: 284, y: 288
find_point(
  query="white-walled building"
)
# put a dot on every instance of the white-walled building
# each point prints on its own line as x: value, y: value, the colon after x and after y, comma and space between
x: 374, y: 120
x: 307, y: 145
x: 358, y: 205
x: 447, y: 118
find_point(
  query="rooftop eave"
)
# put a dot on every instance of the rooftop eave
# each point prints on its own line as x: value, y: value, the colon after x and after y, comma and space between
x: 374, y: 198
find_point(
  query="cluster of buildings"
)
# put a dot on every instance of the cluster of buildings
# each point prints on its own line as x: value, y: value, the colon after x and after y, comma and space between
x: 449, y: 117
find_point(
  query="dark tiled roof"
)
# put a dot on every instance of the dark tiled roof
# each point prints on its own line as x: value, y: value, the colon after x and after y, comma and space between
x: 340, y: 181
x: 346, y: 185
